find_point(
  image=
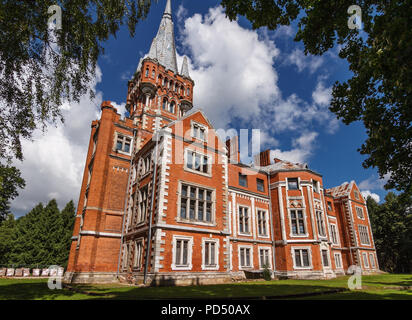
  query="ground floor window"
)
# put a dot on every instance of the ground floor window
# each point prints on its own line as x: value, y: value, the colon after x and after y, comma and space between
x: 182, y: 253
x: 245, y: 256
x: 365, y: 260
x: 302, y: 258
x: 325, y: 259
x: 264, y: 259
x: 338, y: 260
x: 210, y: 254
x: 137, y: 263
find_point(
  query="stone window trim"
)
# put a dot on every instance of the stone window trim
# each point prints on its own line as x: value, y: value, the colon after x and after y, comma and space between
x: 266, y: 211
x: 269, y: 258
x: 189, y: 266
x: 365, y: 260
x: 309, y: 249
x: 316, y: 186
x: 117, y: 136
x: 357, y: 209
x: 250, y: 226
x: 364, y: 235
x: 372, y: 260
x: 200, y: 223
x: 338, y: 258
x: 250, y: 247
x: 217, y: 245
x: 323, y: 224
x: 303, y: 235
x: 333, y: 225
x: 194, y: 124
x: 325, y: 248
x: 202, y: 154
x: 299, y: 183
x: 137, y: 260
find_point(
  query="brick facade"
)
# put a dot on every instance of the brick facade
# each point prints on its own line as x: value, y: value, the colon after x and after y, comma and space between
x: 163, y: 171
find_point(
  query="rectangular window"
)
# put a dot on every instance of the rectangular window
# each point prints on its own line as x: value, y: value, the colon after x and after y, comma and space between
x: 260, y: 185
x: 315, y: 186
x: 210, y: 254
x: 199, y: 132
x: 365, y: 260
x: 142, y: 205
x: 242, y: 180
x: 372, y: 259
x: 244, y: 220
x: 359, y: 212
x: 338, y: 260
x: 245, y: 258
x: 297, y: 222
x: 302, y: 258
x: 182, y: 252
x: 195, y: 204
x: 197, y: 162
x: 329, y: 206
x: 325, y: 259
x: 123, y: 143
x: 293, y: 184
x: 137, y: 263
x: 264, y: 258
x: 363, y: 234
x: 321, y: 224
x: 262, y: 223
x: 333, y: 233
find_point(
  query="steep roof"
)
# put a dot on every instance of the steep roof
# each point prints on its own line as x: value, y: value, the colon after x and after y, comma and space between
x: 340, y: 191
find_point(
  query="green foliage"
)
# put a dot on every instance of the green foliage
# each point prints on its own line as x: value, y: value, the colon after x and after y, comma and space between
x: 267, y: 274
x: 392, y: 229
x: 380, y: 91
x: 41, y: 67
x: 10, y: 181
x: 42, y: 237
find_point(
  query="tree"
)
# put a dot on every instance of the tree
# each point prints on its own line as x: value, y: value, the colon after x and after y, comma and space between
x: 7, y: 230
x: 380, y: 90
x: 10, y: 181
x: 41, y: 67
x: 392, y: 228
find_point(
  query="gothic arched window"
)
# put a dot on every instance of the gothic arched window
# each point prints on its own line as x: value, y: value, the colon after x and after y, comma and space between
x: 153, y: 74
x: 172, y: 107
x: 165, y: 82
x: 147, y: 72
x: 164, y: 104
x: 188, y: 92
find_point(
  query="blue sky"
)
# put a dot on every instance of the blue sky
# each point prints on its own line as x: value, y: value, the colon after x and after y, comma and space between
x: 244, y: 79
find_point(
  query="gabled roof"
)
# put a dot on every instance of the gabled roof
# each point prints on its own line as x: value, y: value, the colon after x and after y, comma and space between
x: 341, y: 191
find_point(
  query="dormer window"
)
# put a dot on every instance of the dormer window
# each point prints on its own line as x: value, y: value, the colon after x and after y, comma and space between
x: 293, y: 184
x: 198, y: 131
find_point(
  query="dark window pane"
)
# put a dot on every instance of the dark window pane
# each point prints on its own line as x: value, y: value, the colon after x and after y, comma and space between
x: 305, y: 257
x: 200, y: 210
x: 189, y: 160
x: 242, y: 180
x: 183, y: 209
x: 292, y: 184
x: 260, y: 185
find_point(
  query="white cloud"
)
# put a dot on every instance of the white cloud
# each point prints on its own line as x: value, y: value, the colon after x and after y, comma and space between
x: 298, y: 58
x: 368, y: 193
x: 303, y: 149
x: 54, y: 162
x: 374, y: 183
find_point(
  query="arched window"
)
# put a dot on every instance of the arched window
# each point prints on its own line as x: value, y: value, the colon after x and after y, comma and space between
x: 160, y: 78
x: 182, y: 91
x: 176, y: 87
x: 170, y: 85
x: 147, y: 72
x: 153, y: 74
x: 165, y: 82
x: 172, y: 107
x: 164, y: 104
x: 188, y: 92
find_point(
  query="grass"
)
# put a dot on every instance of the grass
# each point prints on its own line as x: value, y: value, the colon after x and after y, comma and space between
x: 387, y: 286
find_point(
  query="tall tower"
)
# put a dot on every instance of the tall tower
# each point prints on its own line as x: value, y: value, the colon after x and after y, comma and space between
x: 157, y: 95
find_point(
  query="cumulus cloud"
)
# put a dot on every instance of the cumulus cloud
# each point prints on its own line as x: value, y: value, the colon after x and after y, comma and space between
x: 368, y: 193
x: 303, y: 148
x: 54, y: 161
x: 374, y: 183
x: 303, y: 62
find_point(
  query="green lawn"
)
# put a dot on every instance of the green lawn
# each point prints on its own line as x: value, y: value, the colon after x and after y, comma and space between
x: 387, y: 286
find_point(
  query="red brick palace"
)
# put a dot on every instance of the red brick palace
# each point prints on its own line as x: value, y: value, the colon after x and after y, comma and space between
x: 165, y: 200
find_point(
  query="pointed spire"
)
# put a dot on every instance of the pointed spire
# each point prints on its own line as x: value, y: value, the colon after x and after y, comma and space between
x: 185, y: 68
x: 168, y: 9
x: 153, y: 49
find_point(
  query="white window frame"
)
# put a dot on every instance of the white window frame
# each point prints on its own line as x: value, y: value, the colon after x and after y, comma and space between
x: 193, y: 170
x: 302, y: 235
x: 339, y: 256
x: 269, y: 256
x: 266, y: 220
x: 251, y: 257
x: 217, y: 245
x: 249, y: 215
x: 365, y: 233
x: 292, y: 249
x: 323, y: 223
x: 357, y: 213
x: 372, y: 260
x: 125, y: 136
x: 189, y: 266
x: 335, y: 226
x: 287, y: 183
x: 327, y: 257
x: 316, y: 186
x: 365, y: 260
x: 197, y: 222
x: 194, y: 124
